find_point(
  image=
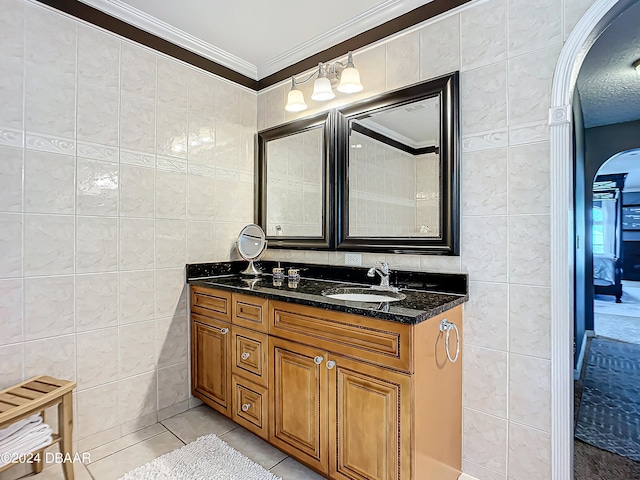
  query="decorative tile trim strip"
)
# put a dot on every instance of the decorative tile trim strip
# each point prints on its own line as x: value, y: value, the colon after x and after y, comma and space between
x: 224, y: 174
x: 11, y: 137
x: 485, y: 140
x: 531, y: 133
x: 132, y: 157
x: 96, y: 151
x: 171, y: 164
x: 48, y: 143
x: 202, y: 170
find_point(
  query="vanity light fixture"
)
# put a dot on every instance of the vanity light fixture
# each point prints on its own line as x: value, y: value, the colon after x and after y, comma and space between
x: 636, y: 65
x: 344, y: 76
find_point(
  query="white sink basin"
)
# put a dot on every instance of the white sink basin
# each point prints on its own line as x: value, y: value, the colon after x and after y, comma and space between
x: 355, y: 294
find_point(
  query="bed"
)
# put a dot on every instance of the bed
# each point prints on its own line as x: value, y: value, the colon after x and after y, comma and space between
x: 607, y: 275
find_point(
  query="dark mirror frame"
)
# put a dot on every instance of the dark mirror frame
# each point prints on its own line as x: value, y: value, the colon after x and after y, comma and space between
x: 448, y: 243
x: 326, y: 240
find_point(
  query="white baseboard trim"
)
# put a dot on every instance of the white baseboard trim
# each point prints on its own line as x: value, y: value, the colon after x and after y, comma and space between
x: 578, y: 369
x: 465, y: 476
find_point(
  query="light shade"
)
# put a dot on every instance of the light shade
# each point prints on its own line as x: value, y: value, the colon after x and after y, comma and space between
x: 636, y: 65
x: 350, y: 80
x: 295, y: 101
x: 322, y: 90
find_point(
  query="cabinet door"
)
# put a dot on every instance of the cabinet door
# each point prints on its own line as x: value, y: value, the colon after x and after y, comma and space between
x: 298, y: 402
x: 369, y: 421
x: 210, y: 364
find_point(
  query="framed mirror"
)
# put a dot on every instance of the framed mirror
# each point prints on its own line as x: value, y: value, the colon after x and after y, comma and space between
x: 397, y: 164
x: 294, y: 188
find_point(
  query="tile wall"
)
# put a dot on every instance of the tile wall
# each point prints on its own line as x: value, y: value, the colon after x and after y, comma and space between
x: 117, y: 166
x: 506, y: 51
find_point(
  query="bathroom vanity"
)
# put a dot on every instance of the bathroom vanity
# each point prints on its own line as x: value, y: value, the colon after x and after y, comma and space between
x: 354, y: 390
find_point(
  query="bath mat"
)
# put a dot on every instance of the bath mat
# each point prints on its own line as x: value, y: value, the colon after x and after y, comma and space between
x: 207, y: 458
x: 609, y: 413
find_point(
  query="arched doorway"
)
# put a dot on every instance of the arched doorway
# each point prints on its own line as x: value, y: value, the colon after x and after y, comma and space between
x: 591, y: 25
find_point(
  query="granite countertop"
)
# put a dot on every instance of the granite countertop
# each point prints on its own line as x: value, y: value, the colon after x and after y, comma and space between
x: 419, y: 304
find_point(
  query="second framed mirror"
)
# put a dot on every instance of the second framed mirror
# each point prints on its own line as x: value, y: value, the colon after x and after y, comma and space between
x: 294, y: 188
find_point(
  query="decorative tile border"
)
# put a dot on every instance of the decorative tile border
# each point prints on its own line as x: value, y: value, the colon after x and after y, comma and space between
x: 132, y: 157
x: 485, y: 140
x: 48, y: 143
x: 171, y: 164
x: 531, y: 133
x: 11, y: 137
x: 96, y: 151
x: 202, y: 170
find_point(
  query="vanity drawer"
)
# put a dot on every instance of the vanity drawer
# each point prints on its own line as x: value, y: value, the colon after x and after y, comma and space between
x: 250, y: 406
x: 211, y: 303
x: 377, y: 341
x: 250, y: 355
x: 250, y: 312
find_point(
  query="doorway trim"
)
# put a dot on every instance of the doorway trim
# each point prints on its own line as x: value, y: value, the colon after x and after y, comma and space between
x: 585, y: 33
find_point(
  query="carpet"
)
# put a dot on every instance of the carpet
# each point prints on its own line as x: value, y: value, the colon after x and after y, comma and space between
x: 609, y: 414
x: 207, y: 458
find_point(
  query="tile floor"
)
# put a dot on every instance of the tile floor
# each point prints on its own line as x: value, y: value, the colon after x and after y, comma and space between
x: 112, y: 460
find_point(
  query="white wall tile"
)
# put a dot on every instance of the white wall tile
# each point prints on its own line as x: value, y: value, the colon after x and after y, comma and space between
x: 49, y: 182
x: 55, y: 357
x: 200, y: 241
x: 96, y: 244
x: 173, y: 385
x: 529, y: 249
x: 98, y: 114
x: 97, y: 187
x: 138, y: 396
x: 171, y: 195
x: 530, y: 391
x: 172, y: 337
x: 97, y: 410
x: 48, y: 307
x: 137, y: 191
x: 171, y: 243
x: 137, y: 124
x: 529, y: 453
x: 530, y: 320
x: 403, y: 61
x: 12, y: 25
x: 137, y: 349
x: 477, y: 471
x: 483, y: 98
x: 137, y: 296
x: 529, y: 179
x: 96, y: 301
x: 11, y: 302
x: 98, y: 58
x: 440, y: 47
x: 484, y: 182
x: 485, y: 385
x: 573, y: 12
x: 97, y: 357
x: 486, y: 318
x: 48, y: 244
x: 171, y: 293
x: 483, y: 34
x: 171, y: 133
x: 10, y: 179
x: 485, y: 440
x: 173, y: 85
x: 11, y: 364
x: 484, y: 241
x: 533, y: 25
x: 138, y: 72
x: 136, y: 247
x: 11, y: 245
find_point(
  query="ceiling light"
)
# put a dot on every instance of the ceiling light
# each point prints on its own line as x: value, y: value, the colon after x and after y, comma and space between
x: 636, y: 65
x: 344, y: 75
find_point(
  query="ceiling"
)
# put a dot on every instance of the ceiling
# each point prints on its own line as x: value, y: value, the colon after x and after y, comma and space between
x: 609, y: 86
x: 625, y: 162
x: 253, y: 37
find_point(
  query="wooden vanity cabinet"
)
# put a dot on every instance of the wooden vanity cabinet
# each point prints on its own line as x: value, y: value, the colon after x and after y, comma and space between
x: 353, y: 397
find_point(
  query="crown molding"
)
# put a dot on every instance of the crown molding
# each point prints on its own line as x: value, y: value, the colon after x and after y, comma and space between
x: 150, y: 24
x: 368, y: 19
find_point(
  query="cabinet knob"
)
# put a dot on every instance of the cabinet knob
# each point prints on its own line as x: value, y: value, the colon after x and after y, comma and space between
x: 331, y: 364
x: 246, y: 406
x: 245, y: 355
x: 318, y: 360
x: 224, y: 331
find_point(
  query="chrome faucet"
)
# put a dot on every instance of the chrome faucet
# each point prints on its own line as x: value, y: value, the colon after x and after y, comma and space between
x: 384, y: 272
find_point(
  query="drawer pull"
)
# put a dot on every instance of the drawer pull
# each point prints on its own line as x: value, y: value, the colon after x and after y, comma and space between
x: 224, y: 331
x: 318, y: 360
x: 331, y: 364
x: 245, y: 355
x: 246, y: 407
